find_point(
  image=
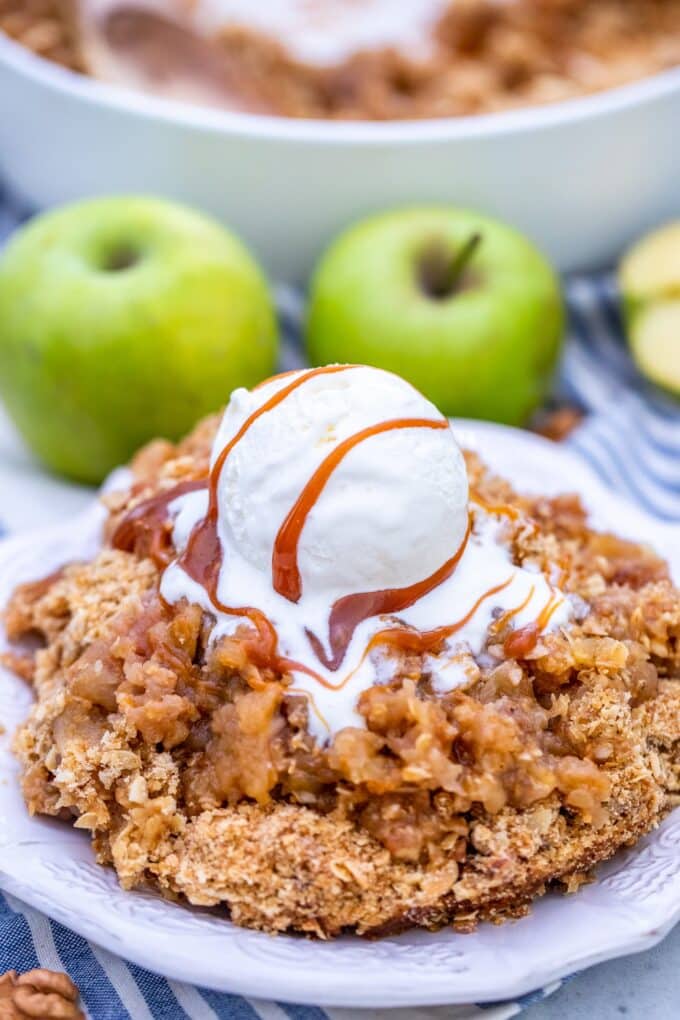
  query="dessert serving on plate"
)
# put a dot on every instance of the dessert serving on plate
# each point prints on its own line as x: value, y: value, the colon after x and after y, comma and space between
x: 329, y: 673
x: 365, y: 59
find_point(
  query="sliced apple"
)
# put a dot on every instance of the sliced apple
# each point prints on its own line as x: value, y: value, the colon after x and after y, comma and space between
x: 655, y: 344
x: 649, y: 280
x: 652, y: 267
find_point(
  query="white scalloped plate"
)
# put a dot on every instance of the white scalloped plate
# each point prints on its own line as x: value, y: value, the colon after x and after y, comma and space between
x: 634, y: 903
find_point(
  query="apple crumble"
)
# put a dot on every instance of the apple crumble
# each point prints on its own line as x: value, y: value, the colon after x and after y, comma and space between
x: 476, y: 764
x: 344, y: 59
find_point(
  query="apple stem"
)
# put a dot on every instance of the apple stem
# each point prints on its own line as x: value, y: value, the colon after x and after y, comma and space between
x: 441, y: 275
x: 461, y: 260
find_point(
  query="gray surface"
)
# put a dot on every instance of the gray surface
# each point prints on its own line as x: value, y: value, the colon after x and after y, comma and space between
x: 641, y: 987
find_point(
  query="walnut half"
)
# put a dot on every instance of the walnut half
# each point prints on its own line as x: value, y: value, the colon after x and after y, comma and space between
x: 39, y: 995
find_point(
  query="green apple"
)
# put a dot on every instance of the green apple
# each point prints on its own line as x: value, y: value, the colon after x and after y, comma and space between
x: 649, y: 280
x: 461, y: 305
x: 122, y: 319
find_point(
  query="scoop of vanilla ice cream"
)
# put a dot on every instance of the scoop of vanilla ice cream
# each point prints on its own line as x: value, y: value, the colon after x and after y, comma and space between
x: 393, y: 511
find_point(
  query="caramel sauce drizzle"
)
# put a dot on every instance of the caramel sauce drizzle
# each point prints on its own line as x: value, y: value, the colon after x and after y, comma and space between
x: 421, y: 642
x: 147, y: 524
x: 502, y: 509
x: 285, y: 569
x: 311, y: 702
x: 145, y: 529
x: 351, y: 610
x: 502, y: 622
x: 202, y: 558
x: 521, y: 642
x: 280, y: 375
x: 411, y: 640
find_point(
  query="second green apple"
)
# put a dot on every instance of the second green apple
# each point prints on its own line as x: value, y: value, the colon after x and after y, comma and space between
x: 461, y: 305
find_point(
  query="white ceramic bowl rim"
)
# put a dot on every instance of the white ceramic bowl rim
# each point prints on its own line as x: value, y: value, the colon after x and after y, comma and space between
x: 326, y: 132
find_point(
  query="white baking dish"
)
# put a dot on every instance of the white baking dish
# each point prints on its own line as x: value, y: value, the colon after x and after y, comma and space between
x: 582, y: 178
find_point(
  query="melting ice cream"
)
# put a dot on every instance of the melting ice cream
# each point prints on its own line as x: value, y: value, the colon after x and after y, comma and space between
x: 336, y: 533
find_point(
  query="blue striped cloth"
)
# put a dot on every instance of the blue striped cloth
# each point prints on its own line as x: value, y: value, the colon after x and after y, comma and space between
x: 630, y: 436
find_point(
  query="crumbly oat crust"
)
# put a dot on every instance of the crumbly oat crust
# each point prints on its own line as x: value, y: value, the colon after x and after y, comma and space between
x: 488, y: 56
x: 194, y: 772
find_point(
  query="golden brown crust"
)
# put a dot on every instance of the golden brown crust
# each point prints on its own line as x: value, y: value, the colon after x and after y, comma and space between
x: 194, y: 771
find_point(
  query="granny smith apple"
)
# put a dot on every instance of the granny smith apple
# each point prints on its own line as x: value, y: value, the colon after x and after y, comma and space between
x: 649, y: 280
x: 122, y: 319
x: 462, y: 306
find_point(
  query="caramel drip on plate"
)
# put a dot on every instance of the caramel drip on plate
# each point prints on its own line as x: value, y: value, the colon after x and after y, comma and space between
x: 285, y: 570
